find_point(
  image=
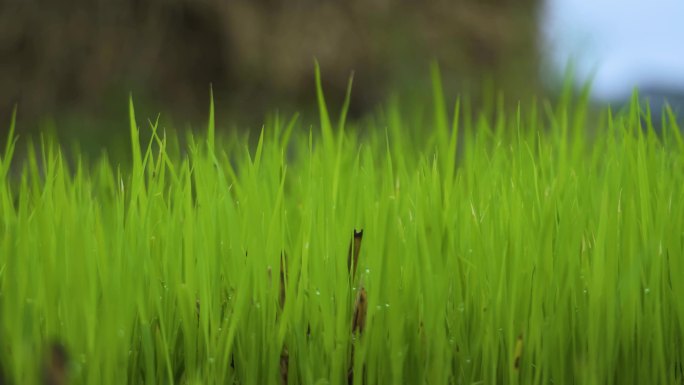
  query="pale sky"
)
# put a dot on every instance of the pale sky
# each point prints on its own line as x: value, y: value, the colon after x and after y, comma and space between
x: 623, y: 43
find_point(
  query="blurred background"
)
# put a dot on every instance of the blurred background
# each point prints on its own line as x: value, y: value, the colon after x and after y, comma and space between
x: 70, y: 64
x: 618, y: 45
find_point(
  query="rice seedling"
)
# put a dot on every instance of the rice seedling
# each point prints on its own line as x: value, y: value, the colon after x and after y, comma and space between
x: 529, y: 247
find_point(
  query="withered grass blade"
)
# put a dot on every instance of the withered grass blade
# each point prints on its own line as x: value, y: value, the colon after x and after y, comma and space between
x: 518, y: 352
x: 55, y: 366
x: 354, y: 250
x: 360, y: 310
x: 284, y: 365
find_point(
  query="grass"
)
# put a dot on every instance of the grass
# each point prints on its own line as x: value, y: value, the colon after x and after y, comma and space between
x: 528, y: 248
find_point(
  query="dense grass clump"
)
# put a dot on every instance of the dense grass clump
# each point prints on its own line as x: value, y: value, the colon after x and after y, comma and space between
x: 532, y: 248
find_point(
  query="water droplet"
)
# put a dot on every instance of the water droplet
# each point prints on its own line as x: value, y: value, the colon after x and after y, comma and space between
x: 585, y: 291
x: 306, y: 245
x: 211, y: 360
x: 258, y: 305
x: 367, y: 271
x: 386, y: 305
x: 500, y: 330
x: 468, y: 361
x: 318, y: 292
x: 647, y: 291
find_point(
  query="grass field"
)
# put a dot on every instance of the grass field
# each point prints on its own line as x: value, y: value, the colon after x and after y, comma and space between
x: 535, y: 247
